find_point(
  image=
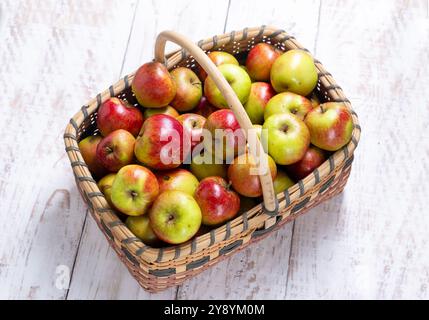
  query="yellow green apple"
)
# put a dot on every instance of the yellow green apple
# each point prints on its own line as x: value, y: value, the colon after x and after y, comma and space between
x: 239, y: 81
x: 294, y: 71
x: 175, y: 217
x: 288, y: 138
x: 288, y: 102
x: 140, y: 226
x: 134, y: 190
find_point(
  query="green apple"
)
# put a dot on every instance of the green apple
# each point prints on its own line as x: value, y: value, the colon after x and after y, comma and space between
x: 330, y: 126
x: 141, y: 228
x: 238, y: 79
x: 282, y: 182
x: 175, y: 217
x: 105, y: 186
x: 288, y: 138
x: 218, y: 58
x: 177, y: 179
x: 134, y: 189
x: 204, y: 165
x: 260, y: 94
x: 288, y: 102
x: 294, y: 71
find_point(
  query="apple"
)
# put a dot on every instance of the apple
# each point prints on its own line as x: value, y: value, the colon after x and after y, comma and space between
x: 217, y: 201
x: 105, y: 186
x: 260, y: 94
x: 238, y: 79
x: 204, y: 165
x: 116, y: 150
x: 134, y: 190
x: 228, y: 139
x: 168, y: 110
x: 189, y: 89
x: 330, y: 126
x: 140, y: 226
x: 116, y: 114
x: 312, y: 159
x: 282, y: 182
x: 153, y: 86
x: 218, y: 58
x: 204, y: 108
x: 177, y: 179
x: 193, y: 125
x: 245, y: 181
x: 260, y: 60
x: 175, y: 217
x: 88, y: 149
x: 160, y: 143
x: 294, y: 71
x: 288, y: 102
x: 288, y: 138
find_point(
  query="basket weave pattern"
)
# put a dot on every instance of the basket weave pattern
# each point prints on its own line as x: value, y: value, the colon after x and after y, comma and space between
x: 157, y: 269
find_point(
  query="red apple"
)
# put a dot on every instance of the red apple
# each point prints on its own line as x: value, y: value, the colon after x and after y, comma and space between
x: 116, y: 150
x: 242, y: 174
x: 177, y: 179
x: 260, y: 94
x: 160, y: 143
x: 218, y: 58
x: 204, y: 108
x: 260, y: 60
x: 330, y: 126
x: 116, y: 114
x: 88, y: 149
x: 228, y: 139
x: 288, y: 102
x: 217, y: 201
x: 189, y: 89
x: 312, y: 159
x: 153, y: 85
x: 193, y: 127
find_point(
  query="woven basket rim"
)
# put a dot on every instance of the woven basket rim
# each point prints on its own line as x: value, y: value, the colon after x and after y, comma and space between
x: 255, y: 217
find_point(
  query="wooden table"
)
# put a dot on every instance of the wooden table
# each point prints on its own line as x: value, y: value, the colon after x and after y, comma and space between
x: 370, y: 242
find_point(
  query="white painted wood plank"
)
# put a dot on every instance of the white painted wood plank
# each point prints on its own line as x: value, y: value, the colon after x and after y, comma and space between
x: 99, y: 274
x: 260, y: 271
x: 372, y: 241
x: 55, y: 55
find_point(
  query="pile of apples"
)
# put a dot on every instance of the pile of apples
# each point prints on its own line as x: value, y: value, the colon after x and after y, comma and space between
x: 170, y: 195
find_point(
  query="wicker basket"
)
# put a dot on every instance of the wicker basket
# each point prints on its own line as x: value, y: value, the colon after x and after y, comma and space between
x: 159, y: 268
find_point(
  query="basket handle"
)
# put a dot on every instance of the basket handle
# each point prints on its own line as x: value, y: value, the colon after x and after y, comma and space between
x: 270, y: 200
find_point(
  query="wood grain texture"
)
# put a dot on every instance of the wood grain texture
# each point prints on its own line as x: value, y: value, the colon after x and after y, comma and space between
x: 372, y: 241
x: 53, y: 58
x: 260, y: 271
x: 99, y: 274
